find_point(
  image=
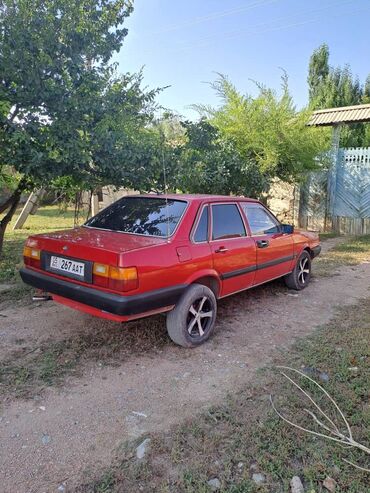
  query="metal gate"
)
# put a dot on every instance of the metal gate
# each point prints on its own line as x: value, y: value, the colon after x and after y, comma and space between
x: 339, y: 199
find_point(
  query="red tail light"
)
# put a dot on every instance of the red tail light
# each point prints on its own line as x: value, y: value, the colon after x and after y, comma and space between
x: 115, y: 278
x: 31, y: 256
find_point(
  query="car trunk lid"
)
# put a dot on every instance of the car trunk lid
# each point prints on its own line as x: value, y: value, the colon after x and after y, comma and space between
x: 93, y: 244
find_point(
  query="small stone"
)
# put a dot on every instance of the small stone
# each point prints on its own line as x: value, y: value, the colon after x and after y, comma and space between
x: 6, y: 287
x: 296, y: 485
x: 142, y: 448
x: 324, y: 377
x: 330, y: 484
x: 45, y: 439
x: 62, y: 487
x: 240, y: 465
x: 141, y: 415
x: 214, y: 483
x: 258, y: 478
x: 315, y: 373
x: 42, y: 408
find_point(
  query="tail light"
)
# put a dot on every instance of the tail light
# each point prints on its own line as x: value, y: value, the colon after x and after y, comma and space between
x: 115, y: 278
x: 32, y: 256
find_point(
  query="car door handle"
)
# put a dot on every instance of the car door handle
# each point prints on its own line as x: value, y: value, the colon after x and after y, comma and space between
x: 262, y: 243
x: 221, y: 249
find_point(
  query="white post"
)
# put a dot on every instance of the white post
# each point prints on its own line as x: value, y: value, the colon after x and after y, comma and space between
x: 332, y: 175
x: 94, y: 204
x: 30, y: 207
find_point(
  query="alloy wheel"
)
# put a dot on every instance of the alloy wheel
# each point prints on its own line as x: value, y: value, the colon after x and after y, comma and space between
x: 199, y: 317
x: 303, y: 270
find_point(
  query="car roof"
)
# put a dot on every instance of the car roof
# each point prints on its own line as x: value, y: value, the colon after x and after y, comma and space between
x: 192, y: 197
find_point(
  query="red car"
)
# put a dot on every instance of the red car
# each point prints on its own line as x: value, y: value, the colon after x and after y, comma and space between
x: 147, y: 254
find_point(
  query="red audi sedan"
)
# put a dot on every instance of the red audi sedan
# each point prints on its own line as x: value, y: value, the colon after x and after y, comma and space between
x: 147, y: 254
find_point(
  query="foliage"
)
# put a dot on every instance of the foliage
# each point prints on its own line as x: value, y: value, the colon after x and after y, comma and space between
x: 9, y: 178
x: 332, y: 87
x: 64, y: 112
x: 211, y: 163
x: 267, y: 130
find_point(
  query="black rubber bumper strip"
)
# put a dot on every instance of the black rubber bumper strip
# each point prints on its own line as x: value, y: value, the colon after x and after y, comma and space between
x: 108, y: 302
x: 252, y: 268
x: 316, y: 251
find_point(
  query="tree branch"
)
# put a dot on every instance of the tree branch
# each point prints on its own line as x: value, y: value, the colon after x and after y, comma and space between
x: 15, y: 113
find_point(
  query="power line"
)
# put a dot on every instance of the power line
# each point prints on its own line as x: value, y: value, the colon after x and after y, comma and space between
x: 265, y: 27
x: 213, y: 16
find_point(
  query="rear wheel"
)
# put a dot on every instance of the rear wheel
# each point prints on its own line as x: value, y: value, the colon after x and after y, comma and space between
x: 300, y: 277
x: 192, y: 320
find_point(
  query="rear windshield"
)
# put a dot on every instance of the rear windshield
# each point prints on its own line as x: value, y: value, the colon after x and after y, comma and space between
x: 140, y: 215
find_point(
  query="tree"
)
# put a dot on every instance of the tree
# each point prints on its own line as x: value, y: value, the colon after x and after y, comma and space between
x: 64, y: 112
x: 269, y: 134
x: 367, y: 90
x: 210, y: 163
x: 332, y: 87
x: 318, y: 72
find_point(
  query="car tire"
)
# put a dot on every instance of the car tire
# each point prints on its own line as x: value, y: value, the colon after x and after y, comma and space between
x: 192, y: 320
x: 300, y: 277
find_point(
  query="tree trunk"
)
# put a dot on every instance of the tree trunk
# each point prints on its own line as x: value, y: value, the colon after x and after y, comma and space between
x: 11, y: 205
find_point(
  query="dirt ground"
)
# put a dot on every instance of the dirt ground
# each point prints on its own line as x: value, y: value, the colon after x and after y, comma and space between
x: 64, y: 434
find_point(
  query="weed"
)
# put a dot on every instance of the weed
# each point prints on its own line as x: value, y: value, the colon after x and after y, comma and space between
x: 243, y: 435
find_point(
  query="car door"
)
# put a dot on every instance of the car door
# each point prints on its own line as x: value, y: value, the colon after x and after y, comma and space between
x: 274, y: 248
x: 233, y: 251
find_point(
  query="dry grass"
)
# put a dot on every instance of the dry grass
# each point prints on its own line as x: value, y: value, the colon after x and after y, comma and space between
x: 353, y: 251
x: 243, y: 435
x: 28, y: 370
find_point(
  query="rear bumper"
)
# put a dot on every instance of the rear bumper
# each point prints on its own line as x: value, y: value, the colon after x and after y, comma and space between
x: 316, y: 251
x: 107, y: 302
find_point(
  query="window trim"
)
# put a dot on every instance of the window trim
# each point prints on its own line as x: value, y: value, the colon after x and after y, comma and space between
x: 269, y: 213
x: 196, y: 223
x: 142, y: 234
x: 246, y: 229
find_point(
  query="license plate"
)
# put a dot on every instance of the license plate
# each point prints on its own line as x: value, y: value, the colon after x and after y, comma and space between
x: 68, y: 266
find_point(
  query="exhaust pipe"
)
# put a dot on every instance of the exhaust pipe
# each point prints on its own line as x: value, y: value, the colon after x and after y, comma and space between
x: 41, y: 295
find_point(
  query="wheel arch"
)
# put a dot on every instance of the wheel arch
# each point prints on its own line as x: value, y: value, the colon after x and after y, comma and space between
x: 309, y: 251
x: 305, y: 247
x: 209, y: 279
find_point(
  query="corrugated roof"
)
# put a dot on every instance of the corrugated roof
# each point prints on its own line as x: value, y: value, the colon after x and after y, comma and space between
x: 346, y: 114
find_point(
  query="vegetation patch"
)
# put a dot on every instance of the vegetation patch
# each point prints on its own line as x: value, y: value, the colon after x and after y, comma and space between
x: 47, y: 219
x: 28, y: 371
x: 243, y: 436
x: 353, y: 251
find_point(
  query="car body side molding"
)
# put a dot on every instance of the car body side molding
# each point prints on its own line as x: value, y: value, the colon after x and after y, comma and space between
x: 252, y: 268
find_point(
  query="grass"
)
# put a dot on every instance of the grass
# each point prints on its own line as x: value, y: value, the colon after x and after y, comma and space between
x: 243, y: 435
x: 47, y: 219
x: 328, y: 236
x: 29, y: 370
x: 352, y: 251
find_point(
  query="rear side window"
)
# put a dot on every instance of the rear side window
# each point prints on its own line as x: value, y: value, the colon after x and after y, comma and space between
x: 140, y: 215
x: 226, y: 222
x: 201, y: 233
x: 260, y: 221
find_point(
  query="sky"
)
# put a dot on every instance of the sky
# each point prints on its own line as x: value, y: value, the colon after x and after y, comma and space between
x: 184, y: 44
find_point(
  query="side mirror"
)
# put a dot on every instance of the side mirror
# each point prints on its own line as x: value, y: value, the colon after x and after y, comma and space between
x: 287, y: 229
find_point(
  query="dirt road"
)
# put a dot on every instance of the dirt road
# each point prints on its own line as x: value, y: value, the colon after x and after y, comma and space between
x: 67, y: 432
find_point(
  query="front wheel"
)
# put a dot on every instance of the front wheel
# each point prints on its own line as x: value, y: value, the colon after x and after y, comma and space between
x: 300, y: 277
x: 192, y: 320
